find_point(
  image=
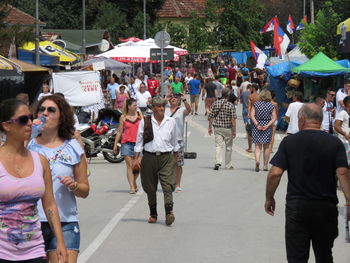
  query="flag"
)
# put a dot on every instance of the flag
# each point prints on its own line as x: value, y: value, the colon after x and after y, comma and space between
x: 280, y: 42
x: 301, y: 24
x: 259, y: 56
x: 270, y: 25
x: 290, y: 25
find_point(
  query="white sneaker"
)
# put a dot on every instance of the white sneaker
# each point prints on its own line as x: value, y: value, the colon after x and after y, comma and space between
x: 178, y: 189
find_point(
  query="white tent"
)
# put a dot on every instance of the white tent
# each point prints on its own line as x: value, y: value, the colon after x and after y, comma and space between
x: 294, y: 55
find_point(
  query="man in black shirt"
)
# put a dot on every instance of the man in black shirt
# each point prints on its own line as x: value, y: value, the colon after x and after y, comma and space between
x: 312, y: 158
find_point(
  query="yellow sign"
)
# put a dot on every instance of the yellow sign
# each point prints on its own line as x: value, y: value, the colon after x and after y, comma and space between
x: 50, y: 48
x: 347, y: 25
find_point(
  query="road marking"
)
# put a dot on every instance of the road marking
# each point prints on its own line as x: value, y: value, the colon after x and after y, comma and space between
x: 107, y: 230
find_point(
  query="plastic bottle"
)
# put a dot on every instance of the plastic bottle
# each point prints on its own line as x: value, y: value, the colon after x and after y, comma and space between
x: 38, y: 126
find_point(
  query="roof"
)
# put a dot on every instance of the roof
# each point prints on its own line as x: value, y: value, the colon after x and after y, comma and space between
x: 181, y: 8
x: 16, y: 16
x: 28, y: 67
x: 74, y: 38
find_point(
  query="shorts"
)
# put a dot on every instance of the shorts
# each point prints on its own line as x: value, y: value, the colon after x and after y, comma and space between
x: 194, y: 98
x: 71, y: 235
x: 181, y: 154
x: 127, y: 149
x: 209, y: 102
x: 34, y: 260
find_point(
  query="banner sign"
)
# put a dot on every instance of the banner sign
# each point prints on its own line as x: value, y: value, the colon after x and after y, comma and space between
x: 80, y: 88
x: 156, y: 54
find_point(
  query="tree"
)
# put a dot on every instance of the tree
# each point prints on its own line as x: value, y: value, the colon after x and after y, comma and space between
x: 321, y: 35
x: 198, y: 39
x: 235, y: 23
x: 111, y: 18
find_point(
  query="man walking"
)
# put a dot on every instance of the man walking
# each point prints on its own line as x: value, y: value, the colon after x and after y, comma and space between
x: 179, y: 114
x: 195, y: 91
x: 247, y: 122
x: 327, y: 123
x: 312, y: 158
x: 157, y: 139
x: 292, y: 113
x: 223, y: 117
x: 112, y: 90
x: 341, y: 94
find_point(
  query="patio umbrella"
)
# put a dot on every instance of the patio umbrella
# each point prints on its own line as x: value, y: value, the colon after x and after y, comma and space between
x: 110, y: 64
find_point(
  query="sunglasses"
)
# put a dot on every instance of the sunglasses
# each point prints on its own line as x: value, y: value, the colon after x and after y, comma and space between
x: 22, y: 120
x: 49, y: 109
x: 331, y: 94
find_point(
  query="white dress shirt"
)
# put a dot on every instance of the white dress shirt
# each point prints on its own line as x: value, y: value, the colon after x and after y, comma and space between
x: 164, y: 136
x: 142, y: 99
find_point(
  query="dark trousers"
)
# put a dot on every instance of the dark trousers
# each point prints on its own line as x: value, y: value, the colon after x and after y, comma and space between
x: 314, y: 222
x: 158, y: 168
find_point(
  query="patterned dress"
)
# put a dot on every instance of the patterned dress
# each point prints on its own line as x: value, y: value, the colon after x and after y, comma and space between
x: 263, y: 115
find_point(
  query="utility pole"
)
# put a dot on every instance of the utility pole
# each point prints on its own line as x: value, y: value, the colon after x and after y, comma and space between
x: 312, y: 11
x: 83, y: 33
x: 304, y: 8
x: 144, y: 19
x: 37, y: 54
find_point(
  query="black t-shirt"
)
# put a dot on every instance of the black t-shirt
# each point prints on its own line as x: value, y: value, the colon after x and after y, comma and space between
x: 210, y: 89
x: 311, y: 158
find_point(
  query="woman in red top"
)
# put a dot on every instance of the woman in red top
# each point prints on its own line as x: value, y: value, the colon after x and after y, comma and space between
x: 127, y: 130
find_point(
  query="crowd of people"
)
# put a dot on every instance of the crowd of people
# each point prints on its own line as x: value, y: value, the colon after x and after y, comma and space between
x: 47, y: 173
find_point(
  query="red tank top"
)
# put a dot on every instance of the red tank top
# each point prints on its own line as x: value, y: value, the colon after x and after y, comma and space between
x: 130, y: 130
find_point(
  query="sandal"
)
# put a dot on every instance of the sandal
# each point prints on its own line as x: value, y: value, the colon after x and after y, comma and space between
x: 132, y: 192
x: 249, y: 151
x: 257, y: 169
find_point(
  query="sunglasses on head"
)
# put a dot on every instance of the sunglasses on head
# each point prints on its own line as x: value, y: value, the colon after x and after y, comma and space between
x: 49, y: 109
x: 22, y: 120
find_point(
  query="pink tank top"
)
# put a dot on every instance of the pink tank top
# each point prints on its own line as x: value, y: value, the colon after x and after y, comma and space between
x: 20, y: 233
x: 120, y: 100
x: 130, y: 130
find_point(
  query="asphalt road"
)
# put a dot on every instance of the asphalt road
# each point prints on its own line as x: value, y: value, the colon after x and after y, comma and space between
x: 219, y: 214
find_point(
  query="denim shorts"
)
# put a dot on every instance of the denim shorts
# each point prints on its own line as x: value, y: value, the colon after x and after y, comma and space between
x: 71, y: 235
x: 128, y: 149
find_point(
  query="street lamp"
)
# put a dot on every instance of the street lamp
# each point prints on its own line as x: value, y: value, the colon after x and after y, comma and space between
x: 144, y: 19
x: 37, y: 54
x: 83, y: 33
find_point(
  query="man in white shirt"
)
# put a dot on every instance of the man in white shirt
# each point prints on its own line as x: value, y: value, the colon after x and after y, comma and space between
x: 157, y: 139
x: 341, y: 94
x: 244, y: 86
x: 133, y: 88
x: 179, y: 113
x: 112, y: 89
x: 292, y: 113
x: 341, y: 125
x: 327, y: 122
x: 143, y: 98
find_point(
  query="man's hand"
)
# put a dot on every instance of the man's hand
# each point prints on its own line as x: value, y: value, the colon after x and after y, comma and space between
x: 210, y: 131
x: 136, y: 166
x: 233, y: 134
x: 270, y: 206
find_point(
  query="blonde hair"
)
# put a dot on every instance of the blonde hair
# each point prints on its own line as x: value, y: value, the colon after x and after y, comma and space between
x: 265, y: 95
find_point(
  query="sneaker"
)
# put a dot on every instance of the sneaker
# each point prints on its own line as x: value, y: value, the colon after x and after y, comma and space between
x: 152, y: 220
x: 216, y: 167
x: 178, y: 189
x: 169, y: 219
x: 195, y: 113
x: 230, y: 168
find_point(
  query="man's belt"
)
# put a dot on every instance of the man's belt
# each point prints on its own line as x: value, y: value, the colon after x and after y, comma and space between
x: 157, y: 153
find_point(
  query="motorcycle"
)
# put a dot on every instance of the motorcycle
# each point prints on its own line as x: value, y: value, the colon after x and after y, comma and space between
x: 99, y: 136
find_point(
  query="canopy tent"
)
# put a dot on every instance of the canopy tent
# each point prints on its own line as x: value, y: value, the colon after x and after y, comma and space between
x: 282, y: 68
x: 294, y: 55
x: 110, y: 64
x: 150, y: 43
x: 9, y: 68
x: 130, y: 54
x: 320, y: 66
x: 133, y: 39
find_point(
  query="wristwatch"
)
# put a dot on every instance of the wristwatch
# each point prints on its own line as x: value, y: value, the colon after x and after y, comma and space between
x: 184, y: 100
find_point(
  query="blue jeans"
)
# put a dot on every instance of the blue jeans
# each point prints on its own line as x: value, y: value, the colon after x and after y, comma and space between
x: 71, y: 235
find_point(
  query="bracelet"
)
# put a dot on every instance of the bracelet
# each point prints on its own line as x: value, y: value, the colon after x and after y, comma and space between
x: 75, y: 188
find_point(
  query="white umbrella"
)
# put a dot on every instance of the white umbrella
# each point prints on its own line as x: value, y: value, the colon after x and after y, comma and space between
x: 110, y: 64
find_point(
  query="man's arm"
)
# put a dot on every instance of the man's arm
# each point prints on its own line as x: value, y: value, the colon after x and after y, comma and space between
x: 343, y: 175
x: 210, y: 125
x: 272, y: 182
x: 338, y: 129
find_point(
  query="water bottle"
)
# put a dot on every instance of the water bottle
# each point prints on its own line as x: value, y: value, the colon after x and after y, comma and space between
x: 38, y: 126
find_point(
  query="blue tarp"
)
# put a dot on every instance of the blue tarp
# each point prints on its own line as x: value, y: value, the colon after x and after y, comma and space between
x: 45, y: 60
x: 242, y: 57
x: 281, y: 68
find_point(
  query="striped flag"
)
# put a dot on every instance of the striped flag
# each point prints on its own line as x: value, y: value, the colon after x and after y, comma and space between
x: 290, y: 25
x: 301, y: 24
x: 270, y: 25
x: 259, y: 56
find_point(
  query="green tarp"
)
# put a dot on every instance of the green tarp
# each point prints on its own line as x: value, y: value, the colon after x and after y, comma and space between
x: 320, y: 63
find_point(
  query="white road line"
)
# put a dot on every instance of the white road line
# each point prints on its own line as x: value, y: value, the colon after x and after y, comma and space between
x: 107, y: 230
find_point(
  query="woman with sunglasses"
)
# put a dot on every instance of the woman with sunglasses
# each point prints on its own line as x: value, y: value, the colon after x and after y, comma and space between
x: 68, y: 169
x: 127, y: 130
x: 24, y: 179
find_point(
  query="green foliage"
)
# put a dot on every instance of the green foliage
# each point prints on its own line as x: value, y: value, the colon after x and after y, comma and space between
x: 342, y: 7
x: 235, y: 23
x: 111, y: 18
x: 198, y: 39
x: 321, y: 35
x: 177, y: 32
